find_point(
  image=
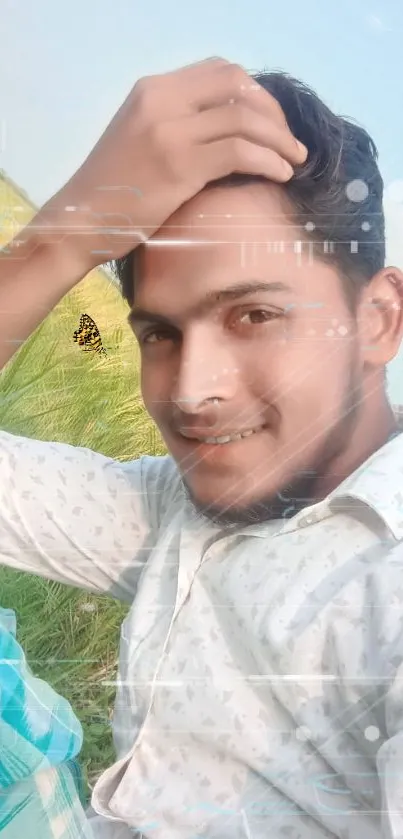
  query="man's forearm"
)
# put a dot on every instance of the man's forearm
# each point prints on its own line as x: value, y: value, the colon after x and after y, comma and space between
x: 36, y: 270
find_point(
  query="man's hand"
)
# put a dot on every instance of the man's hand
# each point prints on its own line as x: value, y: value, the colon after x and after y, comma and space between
x: 173, y: 134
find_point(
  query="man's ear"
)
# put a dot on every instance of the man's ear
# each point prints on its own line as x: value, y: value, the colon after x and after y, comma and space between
x: 380, y: 318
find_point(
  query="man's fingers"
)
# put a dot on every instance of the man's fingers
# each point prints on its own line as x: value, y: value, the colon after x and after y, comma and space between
x: 241, y: 121
x: 223, y: 84
x: 203, y: 88
x: 224, y: 157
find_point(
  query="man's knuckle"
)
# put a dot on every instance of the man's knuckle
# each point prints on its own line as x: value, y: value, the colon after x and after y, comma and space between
x: 236, y: 75
x: 146, y: 96
x: 142, y: 86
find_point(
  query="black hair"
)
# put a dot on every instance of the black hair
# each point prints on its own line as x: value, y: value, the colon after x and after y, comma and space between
x: 336, y: 195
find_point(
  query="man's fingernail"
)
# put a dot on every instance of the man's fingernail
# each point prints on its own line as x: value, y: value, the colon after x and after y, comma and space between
x: 303, y: 149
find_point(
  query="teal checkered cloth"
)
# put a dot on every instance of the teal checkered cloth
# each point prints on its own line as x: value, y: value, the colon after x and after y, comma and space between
x: 40, y: 738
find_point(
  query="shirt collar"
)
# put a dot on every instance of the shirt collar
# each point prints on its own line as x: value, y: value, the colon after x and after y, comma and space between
x: 378, y: 483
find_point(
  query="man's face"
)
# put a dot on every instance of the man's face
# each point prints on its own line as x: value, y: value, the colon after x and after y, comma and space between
x: 245, y: 334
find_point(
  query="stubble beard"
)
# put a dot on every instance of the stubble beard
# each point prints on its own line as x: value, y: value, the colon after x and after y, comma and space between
x: 302, y: 489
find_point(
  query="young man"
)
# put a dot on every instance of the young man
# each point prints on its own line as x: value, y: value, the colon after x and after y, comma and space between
x: 260, y: 664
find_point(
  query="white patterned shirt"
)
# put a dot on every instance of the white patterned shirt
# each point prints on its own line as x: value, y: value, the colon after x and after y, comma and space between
x: 261, y: 668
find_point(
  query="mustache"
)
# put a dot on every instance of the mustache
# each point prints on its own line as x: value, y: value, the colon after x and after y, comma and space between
x: 215, y: 421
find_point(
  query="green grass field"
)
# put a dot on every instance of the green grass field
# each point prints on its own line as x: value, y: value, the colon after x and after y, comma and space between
x: 52, y: 390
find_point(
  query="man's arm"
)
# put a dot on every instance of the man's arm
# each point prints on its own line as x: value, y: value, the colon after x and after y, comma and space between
x: 77, y: 517
x: 68, y: 513
x: 34, y: 275
x: 174, y: 134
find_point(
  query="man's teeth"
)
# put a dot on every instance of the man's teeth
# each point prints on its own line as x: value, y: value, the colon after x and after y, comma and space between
x: 230, y: 438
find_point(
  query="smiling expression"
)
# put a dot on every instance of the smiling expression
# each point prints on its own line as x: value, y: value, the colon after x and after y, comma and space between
x: 250, y: 352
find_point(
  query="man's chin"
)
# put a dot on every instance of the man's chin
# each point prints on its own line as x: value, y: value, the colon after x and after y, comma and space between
x: 276, y: 503
x: 231, y: 511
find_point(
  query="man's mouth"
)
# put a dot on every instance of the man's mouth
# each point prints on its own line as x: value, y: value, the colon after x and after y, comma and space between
x: 221, y: 439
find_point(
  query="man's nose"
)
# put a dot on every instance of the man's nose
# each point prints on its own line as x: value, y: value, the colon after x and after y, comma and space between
x: 207, y: 372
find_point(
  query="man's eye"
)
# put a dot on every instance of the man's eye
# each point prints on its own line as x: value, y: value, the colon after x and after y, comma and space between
x: 259, y: 316
x: 155, y: 336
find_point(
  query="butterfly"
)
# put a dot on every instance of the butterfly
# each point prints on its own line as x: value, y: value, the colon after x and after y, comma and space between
x: 88, y: 337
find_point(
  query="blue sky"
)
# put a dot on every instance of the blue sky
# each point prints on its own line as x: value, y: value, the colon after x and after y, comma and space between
x: 66, y: 66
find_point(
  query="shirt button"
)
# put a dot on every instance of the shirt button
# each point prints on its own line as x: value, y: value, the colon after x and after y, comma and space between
x: 305, y: 521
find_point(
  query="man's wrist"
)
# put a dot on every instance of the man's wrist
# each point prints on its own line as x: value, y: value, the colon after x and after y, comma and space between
x: 64, y: 236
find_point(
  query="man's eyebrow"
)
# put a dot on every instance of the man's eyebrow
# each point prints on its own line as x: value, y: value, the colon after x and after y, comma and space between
x: 211, y: 299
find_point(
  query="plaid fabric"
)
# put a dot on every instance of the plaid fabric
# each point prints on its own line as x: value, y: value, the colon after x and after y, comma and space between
x: 40, y: 737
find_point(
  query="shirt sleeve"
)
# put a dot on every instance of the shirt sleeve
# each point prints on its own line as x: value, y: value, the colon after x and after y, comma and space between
x: 75, y: 516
